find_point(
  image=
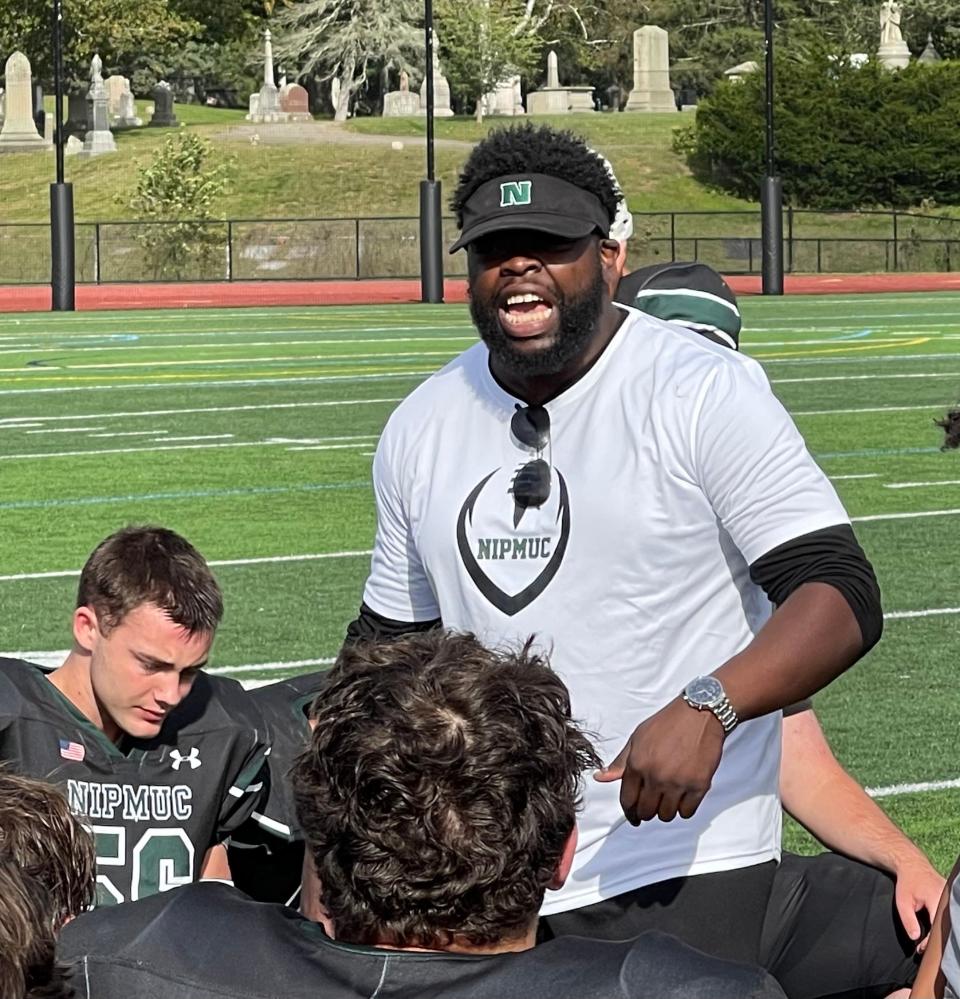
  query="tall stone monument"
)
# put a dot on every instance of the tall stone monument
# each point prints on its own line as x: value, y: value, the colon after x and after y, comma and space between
x: 651, y: 71
x: 99, y: 139
x: 269, y: 95
x: 893, y: 51
x: 551, y: 99
x: 19, y: 133
x: 441, y: 87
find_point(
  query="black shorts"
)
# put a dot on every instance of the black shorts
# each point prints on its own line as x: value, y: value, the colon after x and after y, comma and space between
x: 822, y: 926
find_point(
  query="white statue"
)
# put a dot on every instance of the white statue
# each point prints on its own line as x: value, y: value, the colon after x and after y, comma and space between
x: 96, y: 69
x: 890, y: 13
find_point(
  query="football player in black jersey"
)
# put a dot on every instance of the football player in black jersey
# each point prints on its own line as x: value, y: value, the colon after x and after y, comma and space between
x: 438, y: 797
x: 266, y: 853
x: 160, y: 760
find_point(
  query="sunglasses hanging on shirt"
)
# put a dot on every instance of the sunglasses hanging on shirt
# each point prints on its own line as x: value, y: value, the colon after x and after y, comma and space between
x: 530, y: 428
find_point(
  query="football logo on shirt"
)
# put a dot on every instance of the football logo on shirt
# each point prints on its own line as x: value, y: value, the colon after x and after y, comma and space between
x: 511, y: 560
x: 192, y: 758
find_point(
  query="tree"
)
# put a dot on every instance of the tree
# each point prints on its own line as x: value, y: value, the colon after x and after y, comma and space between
x: 483, y: 42
x: 178, y: 190
x: 344, y: 39
x: 124, y: 34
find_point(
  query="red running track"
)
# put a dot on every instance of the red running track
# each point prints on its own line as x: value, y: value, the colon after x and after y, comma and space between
x: 36, y: 298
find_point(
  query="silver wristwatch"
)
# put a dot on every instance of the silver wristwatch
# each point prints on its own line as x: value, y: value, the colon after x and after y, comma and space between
x: 706, y: 693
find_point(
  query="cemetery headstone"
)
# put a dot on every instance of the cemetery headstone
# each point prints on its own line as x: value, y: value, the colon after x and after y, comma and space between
x: 506, y: 98
x: 99, y: 139
x: 441, y: 88
x: 115, y: 86
x: 551, y: 99
x: 651, y: 71
x: 295, y: 102
x: 163, y: 101
x: 400, y: 103
x: 19, y: 132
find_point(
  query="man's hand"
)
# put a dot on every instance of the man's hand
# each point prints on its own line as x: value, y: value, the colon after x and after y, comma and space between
x: 919, y: 888
x: 668, y: 763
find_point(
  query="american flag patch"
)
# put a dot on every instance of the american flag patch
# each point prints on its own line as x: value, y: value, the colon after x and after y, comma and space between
x: 72, y: 751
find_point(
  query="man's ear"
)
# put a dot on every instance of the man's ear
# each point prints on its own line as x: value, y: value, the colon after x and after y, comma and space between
x: 565, y: 862
x: 613, y: 255
x: 86, y: 628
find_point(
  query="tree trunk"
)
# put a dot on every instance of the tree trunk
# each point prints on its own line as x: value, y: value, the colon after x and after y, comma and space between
x: 480, y: 110
x: 347, y: 87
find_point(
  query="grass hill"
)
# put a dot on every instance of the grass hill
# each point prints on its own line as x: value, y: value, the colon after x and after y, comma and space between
x: 345, y: 171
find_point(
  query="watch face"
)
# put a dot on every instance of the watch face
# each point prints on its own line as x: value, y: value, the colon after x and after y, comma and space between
x: 705, y: 690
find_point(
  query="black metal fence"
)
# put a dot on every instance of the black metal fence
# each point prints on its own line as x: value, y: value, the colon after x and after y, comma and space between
x: 354, y: 248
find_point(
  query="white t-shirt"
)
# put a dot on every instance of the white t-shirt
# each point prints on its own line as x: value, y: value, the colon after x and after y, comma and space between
x: 674, y: 468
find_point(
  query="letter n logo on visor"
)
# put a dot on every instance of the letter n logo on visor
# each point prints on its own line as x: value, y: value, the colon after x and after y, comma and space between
x: 516, y: 192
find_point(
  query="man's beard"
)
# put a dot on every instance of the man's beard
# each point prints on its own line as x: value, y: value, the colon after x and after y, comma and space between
x: 578, y: 323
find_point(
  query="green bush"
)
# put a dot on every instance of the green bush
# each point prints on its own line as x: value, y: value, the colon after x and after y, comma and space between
x: 846, y: 137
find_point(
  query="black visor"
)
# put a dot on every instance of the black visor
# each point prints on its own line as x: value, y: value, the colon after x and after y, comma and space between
x: 532, y: 201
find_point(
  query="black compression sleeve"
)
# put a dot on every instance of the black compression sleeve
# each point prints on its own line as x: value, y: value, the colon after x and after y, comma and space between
x: 832, y: 555
x: 371, y: 626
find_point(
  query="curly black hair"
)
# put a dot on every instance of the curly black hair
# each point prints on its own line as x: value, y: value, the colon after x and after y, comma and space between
x: 950, y: 425
x: 438, y: 790
x: 532, y: 148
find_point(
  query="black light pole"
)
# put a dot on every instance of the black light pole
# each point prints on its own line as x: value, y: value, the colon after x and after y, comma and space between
x: 62, y: 276
x: 431, y: 217
x: 771, y: 194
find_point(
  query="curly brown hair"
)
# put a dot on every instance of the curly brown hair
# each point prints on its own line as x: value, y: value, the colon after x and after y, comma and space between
x: 40, y: 836
x: 146, y: 564
x: 28, y: 964
x: 439, y: 788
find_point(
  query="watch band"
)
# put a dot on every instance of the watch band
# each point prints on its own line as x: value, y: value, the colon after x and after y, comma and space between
x: 725, y: 713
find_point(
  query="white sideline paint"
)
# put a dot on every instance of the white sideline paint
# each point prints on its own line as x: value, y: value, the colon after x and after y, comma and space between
x: 866, y: 409
x: 316, y: 341
x: 358, y: 441
x: 904, y: 516
x: 863, y: 475
x: 64, y: 430
x: 265, y: 560
x: 224, y: 383
x: 918, y: 485
x: 865, y: 378
x: 894, y: 790
x: 213, y: 362
x: 250, y: 407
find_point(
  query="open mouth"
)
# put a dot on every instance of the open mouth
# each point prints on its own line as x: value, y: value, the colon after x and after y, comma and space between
x: 526, y: 314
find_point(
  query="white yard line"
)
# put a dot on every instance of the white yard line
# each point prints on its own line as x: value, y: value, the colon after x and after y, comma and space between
x: 221, y: 362
x: 264, y: 560
x: 921, y: 485
x: 248, y: 408
x: 864, y: 475
x: 905, y: 516
x: 866, y: 378
x: 865, y: 409
x: 316, y: 341
x: 894, y: 790
x: 64, y: 430
x: 362, y: 440
x: 222, y: 383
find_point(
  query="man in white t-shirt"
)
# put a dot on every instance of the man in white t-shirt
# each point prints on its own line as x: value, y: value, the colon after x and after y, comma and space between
x: 638, y: 499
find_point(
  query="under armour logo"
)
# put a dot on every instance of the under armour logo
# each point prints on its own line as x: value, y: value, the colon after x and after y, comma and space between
x: 193, y: 758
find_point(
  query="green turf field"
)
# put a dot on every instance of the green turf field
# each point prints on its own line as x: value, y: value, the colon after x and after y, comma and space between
x: 252, y: 432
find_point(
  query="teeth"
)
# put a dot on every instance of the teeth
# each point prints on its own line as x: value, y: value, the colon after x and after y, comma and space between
x: 525, y: 318
x: 523, y: 299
